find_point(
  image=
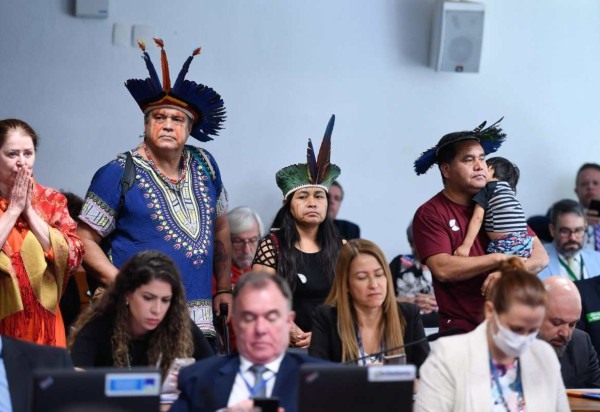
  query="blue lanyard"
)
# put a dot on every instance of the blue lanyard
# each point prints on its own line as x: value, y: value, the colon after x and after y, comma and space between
x: 361, y: 350
x: 253, y: 390
x: 518, y: 385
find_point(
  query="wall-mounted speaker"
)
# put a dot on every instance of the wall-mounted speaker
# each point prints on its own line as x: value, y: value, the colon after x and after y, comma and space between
x: 456, y: 36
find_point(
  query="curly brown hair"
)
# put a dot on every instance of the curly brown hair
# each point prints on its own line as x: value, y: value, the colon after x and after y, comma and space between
x: 172, y: 338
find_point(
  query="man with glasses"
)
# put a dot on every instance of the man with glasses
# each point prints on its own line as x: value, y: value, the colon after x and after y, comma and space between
x: 246, y: 229
x: 567, y: 256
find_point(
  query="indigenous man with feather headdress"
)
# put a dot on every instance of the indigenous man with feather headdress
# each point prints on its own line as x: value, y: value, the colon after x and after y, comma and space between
x: 164, y: 194
x: 439, y: 227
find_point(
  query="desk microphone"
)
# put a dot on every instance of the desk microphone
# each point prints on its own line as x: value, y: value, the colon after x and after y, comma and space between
x: 433, y: 337
x: 223, y: 312
x: 223, y: 309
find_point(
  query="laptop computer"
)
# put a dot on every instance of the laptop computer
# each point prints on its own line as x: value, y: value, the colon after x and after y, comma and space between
x: 101, y: 389
x: 335, y: 387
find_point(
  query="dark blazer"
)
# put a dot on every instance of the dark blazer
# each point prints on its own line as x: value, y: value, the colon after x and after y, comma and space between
x: 589, y: 289
x: 206, y: 385
x: 348, y: 230
x: 579, y: 364
x: 21, y: 359
x: 325, y: 342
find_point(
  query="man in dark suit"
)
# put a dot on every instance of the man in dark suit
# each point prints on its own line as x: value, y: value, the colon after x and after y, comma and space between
x: 577, y: 356
x: 261, y: 319
x: 589, y: 322
x: 19, y: 359
x: 348, y: 230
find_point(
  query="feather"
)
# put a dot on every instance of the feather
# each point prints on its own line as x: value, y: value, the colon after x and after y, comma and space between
x: 184, y: 70
x: 425, y: 161
x: 492, y: 126
x: 493, y: 136
x: 324, y: 158
x: 481, y: 126
x: 154, y: 81
x: 311, y: 162
x: 164, y: 63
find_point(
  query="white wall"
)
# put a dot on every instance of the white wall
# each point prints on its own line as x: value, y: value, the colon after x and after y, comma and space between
x: 284, y: 67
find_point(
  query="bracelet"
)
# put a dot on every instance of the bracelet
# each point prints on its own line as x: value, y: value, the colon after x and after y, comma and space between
x: 221, y: 291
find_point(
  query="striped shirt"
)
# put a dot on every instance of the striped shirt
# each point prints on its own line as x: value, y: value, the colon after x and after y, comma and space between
x: 503, y: 212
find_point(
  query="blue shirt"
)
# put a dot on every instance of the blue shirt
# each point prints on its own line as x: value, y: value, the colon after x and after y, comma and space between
x: 175, y: 218
x: 5, y: 403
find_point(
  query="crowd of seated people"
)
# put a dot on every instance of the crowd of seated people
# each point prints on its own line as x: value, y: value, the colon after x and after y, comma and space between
x: 306, y: 291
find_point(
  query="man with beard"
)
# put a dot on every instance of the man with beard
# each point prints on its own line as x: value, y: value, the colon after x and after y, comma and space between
x: 567, y: 256
x: 577, y: 356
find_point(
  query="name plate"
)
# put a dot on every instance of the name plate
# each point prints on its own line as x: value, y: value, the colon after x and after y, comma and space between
x: 138, y: 384
x: 391, y: 373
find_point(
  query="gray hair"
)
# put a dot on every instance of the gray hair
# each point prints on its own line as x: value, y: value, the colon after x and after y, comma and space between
x: 242, y: 219
x: 261, y: 280
x: 566, y: 206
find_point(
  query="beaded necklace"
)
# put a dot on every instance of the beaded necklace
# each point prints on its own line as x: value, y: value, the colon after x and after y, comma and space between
x: 175, y: 183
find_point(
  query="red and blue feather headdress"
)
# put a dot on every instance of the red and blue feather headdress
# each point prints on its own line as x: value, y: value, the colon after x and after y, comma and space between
x: 490, y: 138
x: 201, y: 103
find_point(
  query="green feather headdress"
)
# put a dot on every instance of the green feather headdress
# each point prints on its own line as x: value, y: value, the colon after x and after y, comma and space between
x: 317, y: 171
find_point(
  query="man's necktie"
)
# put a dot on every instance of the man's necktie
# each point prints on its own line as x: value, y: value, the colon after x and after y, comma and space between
x: 260, y: 388
x: 575, y: 268
x: 597, y: 237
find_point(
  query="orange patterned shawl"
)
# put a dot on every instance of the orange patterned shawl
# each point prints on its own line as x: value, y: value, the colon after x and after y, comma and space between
x: 31, y: 280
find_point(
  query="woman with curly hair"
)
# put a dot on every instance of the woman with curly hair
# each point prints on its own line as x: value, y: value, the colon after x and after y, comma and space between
x: 141, y: 320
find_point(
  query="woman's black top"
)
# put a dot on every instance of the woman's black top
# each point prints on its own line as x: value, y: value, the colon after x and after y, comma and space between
x: 93, y: 348
x: 326, y: 343
x: 312, y: 284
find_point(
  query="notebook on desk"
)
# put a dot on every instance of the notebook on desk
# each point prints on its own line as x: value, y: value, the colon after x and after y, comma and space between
x: 334, y: 387
x: 112, y: 389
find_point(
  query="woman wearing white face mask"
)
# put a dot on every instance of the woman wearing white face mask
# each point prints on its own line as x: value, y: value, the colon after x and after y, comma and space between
x: 500, y: 366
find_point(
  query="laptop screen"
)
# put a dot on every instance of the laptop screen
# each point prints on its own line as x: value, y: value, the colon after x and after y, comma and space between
x: 112, y: 389
x: 355, y: 388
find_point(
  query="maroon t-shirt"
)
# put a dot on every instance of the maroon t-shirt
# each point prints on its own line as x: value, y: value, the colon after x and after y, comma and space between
x: 440, y: 226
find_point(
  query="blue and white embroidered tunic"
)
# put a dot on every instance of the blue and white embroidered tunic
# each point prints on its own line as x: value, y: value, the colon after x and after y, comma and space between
x: 176, y: 218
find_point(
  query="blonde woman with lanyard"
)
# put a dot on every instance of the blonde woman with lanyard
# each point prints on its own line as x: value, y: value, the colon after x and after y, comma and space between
x: 501, y: 365
x: 361, y: 316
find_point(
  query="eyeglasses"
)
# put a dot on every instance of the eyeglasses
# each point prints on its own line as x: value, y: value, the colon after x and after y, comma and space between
x: 566, y: 232
x: 241, y: 243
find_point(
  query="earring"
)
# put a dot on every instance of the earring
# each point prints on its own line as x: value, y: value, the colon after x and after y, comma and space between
x: 126, y: 303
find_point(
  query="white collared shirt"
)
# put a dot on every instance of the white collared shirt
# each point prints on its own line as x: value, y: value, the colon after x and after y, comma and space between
x: 240, y: 392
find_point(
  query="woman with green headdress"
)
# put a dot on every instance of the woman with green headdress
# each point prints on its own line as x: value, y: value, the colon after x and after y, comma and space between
x: 305, y: 248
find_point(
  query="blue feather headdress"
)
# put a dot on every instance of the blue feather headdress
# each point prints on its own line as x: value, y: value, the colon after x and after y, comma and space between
x: 317, y: 171
x: 201, y: 103
x: 490, y: 138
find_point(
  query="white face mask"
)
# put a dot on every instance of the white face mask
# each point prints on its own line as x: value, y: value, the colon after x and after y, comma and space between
x: 511, y: 343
